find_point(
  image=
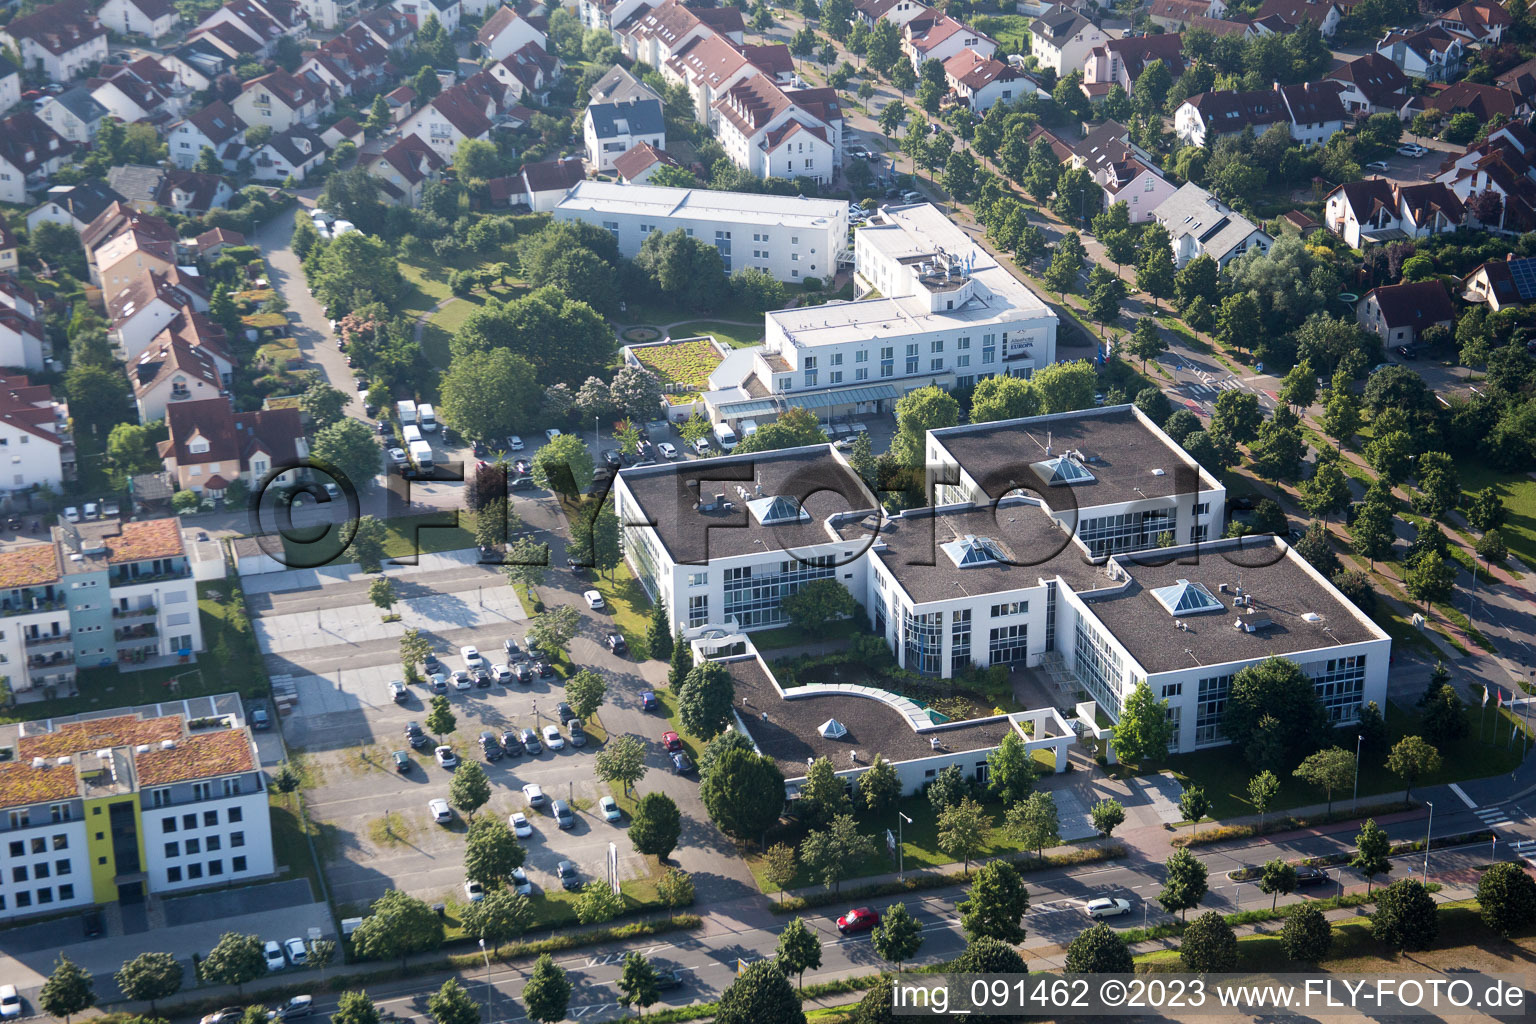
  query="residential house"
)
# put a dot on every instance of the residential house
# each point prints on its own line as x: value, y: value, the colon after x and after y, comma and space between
x: 605, y: 15
x: 939, y: 37
x: 707, y: 67
x: 1480, y: 24
x: 546, y: 183
x: 450, y: 117
x: 216, y: 127
x: 389, y: 28
x: 1208, y: 115
x: 1504, y: 165
x: 1121, y: 61
x: 210, y: 245
x: 123, y: 259
x: 1484, y: 101
x: 10, y: 84
x: 61, y: 40
x: 636, y: 166
x: 9, y: 248
x: 74, y: 113
x: 197, y: 63
x: 1500, y: 283
x: 618, y: 84
x: 144, y: 188
x: 1400, y: 313
x: 345, y: 130
x: 767, y: 133
x: 506, y: 32
x: 211, y: 445
x: 119, y: 219
x: 1059, y: 149
x: 152, y: 18
x: 170, y: 372
x: 657, y: 34
x: 773, y: 60
x: 30, y: 151
x: 1371, y: 84
x: 1375, y: 210
x: 143, y: 90
x: 447, y: 12
x: 1282, y: 17
x: 147, y: 305
x: 261, y: 23
x: 405, y: 169
x: 528, y: 74
x: 897, y: 12
x: 1126, y: 172
x: 281, y: 100
x: 1431, y: 53
x: 1199, y: 224
x: 34, y: 433
x: 23, y: 344
x: 290, y: 154
x: 1314, y: 110
x: 195, y: 329
x: 1520, y: 80
x: 611, y: 129
x: 1062, y: 38
x: 327, y: 15
x: 232, y: 42
x: 1176, y: 15
x: 401, y: 102
x: 982, y: 81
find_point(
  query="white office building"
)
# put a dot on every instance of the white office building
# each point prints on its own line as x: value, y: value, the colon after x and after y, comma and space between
x: 790, y: 237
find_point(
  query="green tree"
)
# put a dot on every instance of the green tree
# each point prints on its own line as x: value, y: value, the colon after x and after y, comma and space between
x: 1147, y: 342
x: 1066, y: 263
x: 131, y: 450
x: 586, y: 691
x: 1098, y: 950
x: 1278, y: 879
x: 879, y: 787
x: 1506, y: 898
x: 704, y: 707
x: 1238, y: 415
x: 597, y: 903
x: 819, y: 606
x: 1034, y: 823
x: 1262, y: 790
x: 489, y: 393
x: 234, y: 960
x: 470, y: 789
x: 744, y: 794
x: 491, y: 852
x: 779, y: 865
x: 917, y: 412
x: 1155, y: 271
x: 548, y: 992
x: 1406, y: 917
x: 1330, y: 769
x: 502, y: 915
x: 638, y: 982
x: 658, y: 635
x: 996, y: 904
x: 1197, y: 281
x: 1372, y: 848
x: 1276, y: 687
x: 898, y: 935
x: 552, y: 630
x: 655, y: 825
x: 1372, y: 531
x: 1238, y: 323
x: 1004, y: 398
x: 1410, y: 760
x: 1307, y: 936
x: 1428, y: 578
x: 149, y: 977
x: 1326, y: 491
x: 799, y: 949
x: 1194, y: 805
x: 621, y: 760
x: 355, y: 1008
x: 68, y: 990
x: 1299, y: 389
x: 348, y: 448
x: 381, y: 592
x: 1208, y: 946
x: 1107, y: 816
x: 963, y: 829
x: 831, y: 853
x: 323, y: 404
x: 675, y: 888
x: 1011, y: 771
x: 564, y: 465
x: 1341, y: 415
x: 682, y: 664
x: 451, y: 1004
x: 414, y: 649
x: 1185, y: 885
x: 1066, y: 387
x: 1486, y: 510
x: 760, y: 994
x: 526, y: 563
x: 441, y: 720
x: 1144, y: 730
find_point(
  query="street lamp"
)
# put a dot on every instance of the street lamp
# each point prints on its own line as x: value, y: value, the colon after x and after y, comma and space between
x: 490, y: 993
x: 1427, y: 830
x: 901, y: 853
x: 1354, y: 802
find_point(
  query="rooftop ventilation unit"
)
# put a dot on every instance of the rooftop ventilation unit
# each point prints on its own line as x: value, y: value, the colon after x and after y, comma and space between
x: 167, y: 744
x: 39, y: 762
x: 1311, y: 617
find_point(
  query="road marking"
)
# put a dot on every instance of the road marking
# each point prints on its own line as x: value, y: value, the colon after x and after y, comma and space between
x: 1464, y: 798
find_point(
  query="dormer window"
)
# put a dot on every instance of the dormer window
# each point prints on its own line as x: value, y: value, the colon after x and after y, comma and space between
x: 198, y: 446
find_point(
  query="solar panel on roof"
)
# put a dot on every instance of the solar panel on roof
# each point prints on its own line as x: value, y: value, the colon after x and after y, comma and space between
x: 1523, y: 274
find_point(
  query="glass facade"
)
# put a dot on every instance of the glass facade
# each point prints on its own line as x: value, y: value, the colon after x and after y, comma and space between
x: 753, y: 593
x: 924, y: 640
x: 1098, y: 667
x: 1125, y: 531
x: 1340, y: 686
x: 698, y: 610
x: 644, y: 559
x: 1009, y: 644
x: 1050, y: 615
x: 1210, y: 705
x: 959, y: 639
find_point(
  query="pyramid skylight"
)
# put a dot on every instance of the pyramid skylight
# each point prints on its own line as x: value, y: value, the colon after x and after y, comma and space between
x: 969, y: 551
x: 1186, y: 598
x: 1063, y: 469
x: 778, y: 509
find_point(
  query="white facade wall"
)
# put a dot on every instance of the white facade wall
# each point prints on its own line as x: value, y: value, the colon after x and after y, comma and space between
x: 19, y: 349
x: 176, y: 617
x: 802, y: 155
x: 10, y: 90
x: 27, y: 460
x: 170, y: 872
x: 56, y: 849
x: 63, y: 67
x: 13, y: 646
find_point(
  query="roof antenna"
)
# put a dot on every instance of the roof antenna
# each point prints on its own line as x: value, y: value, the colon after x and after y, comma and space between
x: 1047, y: 443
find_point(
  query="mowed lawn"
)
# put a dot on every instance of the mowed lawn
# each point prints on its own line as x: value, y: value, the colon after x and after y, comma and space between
x: 442, y: 325
x: 1519, y: 493
x: 734, y: 335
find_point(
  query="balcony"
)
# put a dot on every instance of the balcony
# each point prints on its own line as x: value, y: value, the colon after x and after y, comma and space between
x: 133, y: 613
x: 129, y: 634
x: 31, y: 607
x: 125, y: 579
x: 47, y: 639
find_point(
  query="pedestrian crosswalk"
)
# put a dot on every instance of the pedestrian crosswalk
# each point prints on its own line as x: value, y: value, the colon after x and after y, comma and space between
x: 1492, y: 816
x: 1208, y: 385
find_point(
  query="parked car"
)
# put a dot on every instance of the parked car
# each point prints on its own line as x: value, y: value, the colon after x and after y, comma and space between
x: 501, y: 674
x: 294, y: 1008
x: 514, y: 443
x: 72, y: 514
x: 490, y: 746
x: 402, y: 761
x: 520, y: 883
x: 523, y: 673
x: 260, y: 720
x: 272, y: 953
x: 397, y: 456
x: 514, y: 652
x: 446, y: 758
x: 534, y: 794
x: 552, y: 738
x: 648, y: 701
x: 440, y: 811
x: 667, y: 450
x: 228, y: 1015
x: 414, y: 736
x: 1306, y: 876
x: 610, y: 809
x: 474, y: 891
x: 701, y: 445
x: 431, y: 664
x: 859, y: 919
x: 612, y: 459
x: 471, y: 656
x: 398, y: 692
x: 617, y: 644
x: 1412, y: 149
x: 543, y: 668
x: 578, y: 734
x: 10, y: 1002
x: 297, y: 952
x: 482, y: 677
x: 530, y: 741
x: 438, y: 682
x: 1107, y: 906
x: 912, y: 197
x: 667, y: 977
x: 681, y: 765
x: 510, y: 743
x: 1407, y: 352
x: 569, y: 879
x: 671, y: 741
x: 563, y: 713
x: 551, y: 433
x: 1379, y: 166
x: 564, y: 816
x: 519, y: 822
x: 462, y: 680
x: 594, y: 599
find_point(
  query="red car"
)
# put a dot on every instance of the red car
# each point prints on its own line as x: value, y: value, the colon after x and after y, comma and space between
x: 670, y: 741
x: 859, y: 919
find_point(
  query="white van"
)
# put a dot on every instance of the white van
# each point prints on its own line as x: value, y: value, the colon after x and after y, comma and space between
x: 748, y: 428
x: 421, y: 454
x: 428, y: 417
x: 406, y: 410
x: 725, y: 437
x: 411, y: 433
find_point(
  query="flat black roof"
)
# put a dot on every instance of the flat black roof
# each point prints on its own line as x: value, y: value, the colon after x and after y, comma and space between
x: 790, y: 733
x: 1268, y: 570
x: 1118, y: 448
x: 670, y: 496
x: 1035, y: 548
